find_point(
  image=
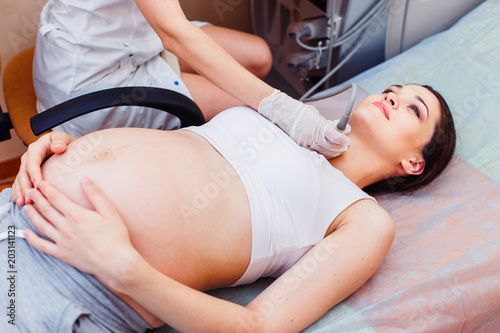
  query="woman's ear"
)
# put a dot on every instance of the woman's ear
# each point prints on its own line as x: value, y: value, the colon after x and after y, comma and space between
x: 413, y: 166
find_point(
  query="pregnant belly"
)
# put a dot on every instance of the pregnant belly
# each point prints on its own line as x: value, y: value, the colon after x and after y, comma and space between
x: 137, y: 170
x: 157, y: 182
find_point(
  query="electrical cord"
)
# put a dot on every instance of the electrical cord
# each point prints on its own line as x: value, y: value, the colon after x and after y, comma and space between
x: 359, y: 27
x: 353, y: 32
x: 339, y: 65
x: 333, y: 35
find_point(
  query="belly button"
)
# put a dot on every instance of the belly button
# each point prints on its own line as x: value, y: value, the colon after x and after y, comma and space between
x: 103, y: 154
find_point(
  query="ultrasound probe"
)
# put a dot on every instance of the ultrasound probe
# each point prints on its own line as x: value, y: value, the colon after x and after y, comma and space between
x: 342, y: 125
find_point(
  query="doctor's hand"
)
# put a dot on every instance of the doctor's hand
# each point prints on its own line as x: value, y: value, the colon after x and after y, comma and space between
x: 304, y: 124
x: 30, y: 171
x: 94, y: 241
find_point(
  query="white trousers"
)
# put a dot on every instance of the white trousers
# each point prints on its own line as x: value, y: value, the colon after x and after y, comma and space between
x: 89, y: 45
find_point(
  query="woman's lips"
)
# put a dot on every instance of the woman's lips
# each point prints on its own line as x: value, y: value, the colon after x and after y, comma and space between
x: 382, y: 108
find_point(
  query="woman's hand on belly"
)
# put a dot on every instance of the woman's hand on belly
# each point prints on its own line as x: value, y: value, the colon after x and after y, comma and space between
x: 155, y: 180
x: 30, y: 171
x: 96, y: 242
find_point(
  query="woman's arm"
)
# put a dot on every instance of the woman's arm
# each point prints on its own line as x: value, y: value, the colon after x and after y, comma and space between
x: 97, y: 242
x: 302, y: 123
x: 327, y: 274
x: 201, y: 52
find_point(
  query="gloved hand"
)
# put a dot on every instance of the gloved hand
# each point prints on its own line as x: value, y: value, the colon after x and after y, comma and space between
x: 304, y: 124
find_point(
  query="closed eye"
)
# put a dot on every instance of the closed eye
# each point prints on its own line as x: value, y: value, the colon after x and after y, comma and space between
x: 416, y: 110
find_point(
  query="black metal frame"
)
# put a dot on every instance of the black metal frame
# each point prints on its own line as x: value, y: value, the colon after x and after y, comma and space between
x: 158, y: 98
x: 5, y: 126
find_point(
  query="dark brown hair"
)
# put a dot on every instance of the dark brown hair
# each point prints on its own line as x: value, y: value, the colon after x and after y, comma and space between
x: 437, y: 153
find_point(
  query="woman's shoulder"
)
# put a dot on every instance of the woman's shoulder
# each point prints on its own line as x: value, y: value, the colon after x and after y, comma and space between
x: 367, y: 211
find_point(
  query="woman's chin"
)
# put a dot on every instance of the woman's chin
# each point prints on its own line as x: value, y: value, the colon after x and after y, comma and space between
x: 365, y: 123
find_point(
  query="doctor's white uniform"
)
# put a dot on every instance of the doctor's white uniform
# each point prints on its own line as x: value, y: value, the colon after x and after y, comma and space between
x: 90, y: 45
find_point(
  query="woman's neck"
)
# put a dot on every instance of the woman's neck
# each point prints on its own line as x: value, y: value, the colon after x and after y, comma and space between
x: 361, y: 165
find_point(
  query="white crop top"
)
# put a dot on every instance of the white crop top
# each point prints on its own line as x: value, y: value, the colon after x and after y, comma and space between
x: 294, y: 193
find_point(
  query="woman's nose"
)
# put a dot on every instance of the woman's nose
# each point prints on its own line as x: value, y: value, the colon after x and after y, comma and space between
x: 392, y: 98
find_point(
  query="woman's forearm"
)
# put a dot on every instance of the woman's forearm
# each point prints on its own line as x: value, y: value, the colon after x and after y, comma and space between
x: 202, y: 53
x: 182, y: 307
x: 215, y: 64
x: 83, y: 238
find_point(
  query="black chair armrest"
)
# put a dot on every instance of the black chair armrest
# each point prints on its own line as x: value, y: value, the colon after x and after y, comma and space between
x: 158, y: 98
x: 5, y: 126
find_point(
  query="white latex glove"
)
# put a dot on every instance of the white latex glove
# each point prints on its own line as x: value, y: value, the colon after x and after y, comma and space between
x: 304, y: 124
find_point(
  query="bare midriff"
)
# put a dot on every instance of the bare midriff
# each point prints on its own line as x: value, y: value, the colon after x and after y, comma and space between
x: 184, y: 205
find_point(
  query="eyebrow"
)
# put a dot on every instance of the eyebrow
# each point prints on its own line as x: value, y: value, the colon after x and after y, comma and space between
x: 417, y: 97
x: 421, y: 100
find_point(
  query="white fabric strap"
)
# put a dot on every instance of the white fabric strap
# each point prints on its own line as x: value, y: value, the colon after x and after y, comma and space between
x: 17, y: 233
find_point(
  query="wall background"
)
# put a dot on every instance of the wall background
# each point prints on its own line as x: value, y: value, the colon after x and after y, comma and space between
x: 18, y: 25
x: 19, y: 21
x: 227, y: 13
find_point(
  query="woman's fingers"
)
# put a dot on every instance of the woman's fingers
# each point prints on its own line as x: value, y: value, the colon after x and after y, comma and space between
x: 97, y: 199
x: 86, y: 239
x: 44, y: 207
x: 51, y: 203
x: 17, y: 196
x: 21, y: 182
x: 56, y: 206
x: 41, y: 244
x: 59, y: 142
x: 37, y: 152
x: 43, y: 225
x: 30, y: 171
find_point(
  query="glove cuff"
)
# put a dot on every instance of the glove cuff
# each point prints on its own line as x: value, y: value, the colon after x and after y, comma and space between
x: 265, y: 100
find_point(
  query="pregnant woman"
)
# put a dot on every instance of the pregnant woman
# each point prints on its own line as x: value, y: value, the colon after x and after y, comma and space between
x: 130, y: 225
